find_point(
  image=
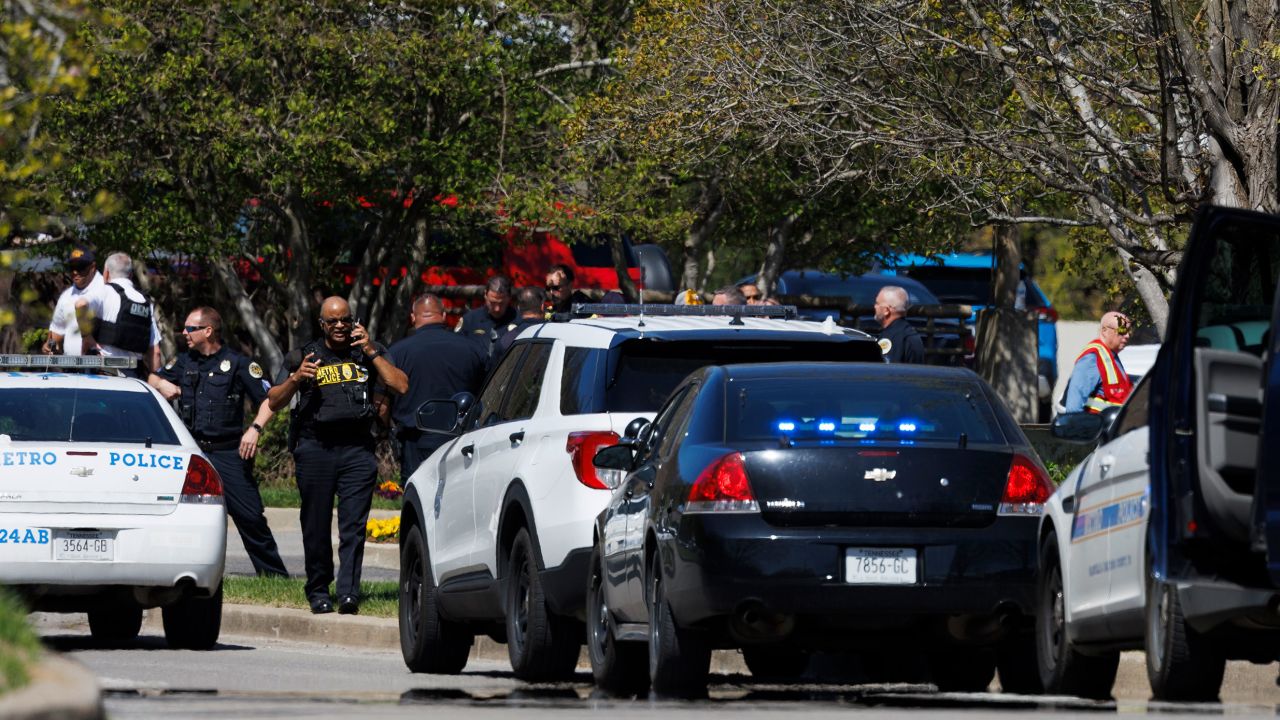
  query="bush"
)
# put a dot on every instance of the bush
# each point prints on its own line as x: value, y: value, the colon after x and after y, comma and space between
x: 19, y: 646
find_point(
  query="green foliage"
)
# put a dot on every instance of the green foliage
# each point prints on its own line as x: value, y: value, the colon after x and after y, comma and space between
x: 19, y: 646
x: 377, y: 598
x: 33, y: 339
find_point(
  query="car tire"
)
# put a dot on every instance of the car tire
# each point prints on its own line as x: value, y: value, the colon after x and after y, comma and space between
x: 1182, y: 665
x: 428, y: 642
x: 772, y: 662
x: 1064, y: 670
x: 618, y: 667
x: 116, y: 625
x: 193, y: 623
x: 1016, y: 665
x: 542, y: 646
x: 679, y: 658
x: 962, y: 669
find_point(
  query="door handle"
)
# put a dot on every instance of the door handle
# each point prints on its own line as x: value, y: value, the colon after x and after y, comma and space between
x: 1106, y: 462
x: 516, y: 437
x: 468, y: 450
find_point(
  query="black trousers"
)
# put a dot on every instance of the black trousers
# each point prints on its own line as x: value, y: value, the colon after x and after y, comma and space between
x: 325, y: 469
x: 244, y: 505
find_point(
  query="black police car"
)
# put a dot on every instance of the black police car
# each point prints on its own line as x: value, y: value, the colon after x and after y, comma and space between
x: 785, y: 508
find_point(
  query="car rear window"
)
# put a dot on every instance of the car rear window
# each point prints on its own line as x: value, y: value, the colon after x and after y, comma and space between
x: 893, y: 409
x: 638, y: 375
x: 83, y: 415
x: 968, y: 286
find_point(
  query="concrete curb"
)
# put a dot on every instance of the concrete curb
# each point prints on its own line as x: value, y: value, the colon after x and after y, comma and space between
x: 60, y: 689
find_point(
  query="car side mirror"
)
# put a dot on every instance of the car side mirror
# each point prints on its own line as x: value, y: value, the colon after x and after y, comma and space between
x: 440, y: 416
x: 1108, y: 417
x: 1078, y: 427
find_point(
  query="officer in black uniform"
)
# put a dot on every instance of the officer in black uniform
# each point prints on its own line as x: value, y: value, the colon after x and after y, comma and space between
x: 529, y: 303
x: 331, y: 436
x: 899, y: 341
x: 210, y: 382
x: 439, y: 365
x: 489, y: 322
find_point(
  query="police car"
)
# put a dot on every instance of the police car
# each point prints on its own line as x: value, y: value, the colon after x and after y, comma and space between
x: 1167, y: 536
x: 496, y: 531
x: 107, y: 505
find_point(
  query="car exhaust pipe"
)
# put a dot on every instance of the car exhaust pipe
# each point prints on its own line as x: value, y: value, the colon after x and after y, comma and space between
x: 753, y: 621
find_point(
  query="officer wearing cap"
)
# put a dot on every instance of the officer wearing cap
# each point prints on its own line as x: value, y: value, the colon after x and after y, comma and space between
x: 211, y: 382
x: 899, y: 341
x: 439, y: 364
x: 489, y: 322
x: 334, y: 380
x: 64, y: 331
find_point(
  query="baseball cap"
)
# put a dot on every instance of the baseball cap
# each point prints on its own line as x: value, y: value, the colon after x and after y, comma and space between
x: 80, y: 256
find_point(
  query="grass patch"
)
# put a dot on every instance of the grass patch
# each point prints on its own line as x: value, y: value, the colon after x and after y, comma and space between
x: 288, y: 497
x: 19, y: 646
x: 377, y: 599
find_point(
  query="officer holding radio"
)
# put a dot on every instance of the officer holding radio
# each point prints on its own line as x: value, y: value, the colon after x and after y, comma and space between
x: 334, y: 380
x: 211, y: 382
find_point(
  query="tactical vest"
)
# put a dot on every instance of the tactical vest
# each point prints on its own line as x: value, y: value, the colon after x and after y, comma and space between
x: 212, y: 403
x: 131, y: 330
x: 1115, y: 386
x: 340, y: 391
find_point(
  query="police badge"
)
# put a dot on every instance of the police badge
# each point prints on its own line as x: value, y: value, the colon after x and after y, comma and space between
x: 225, y: 365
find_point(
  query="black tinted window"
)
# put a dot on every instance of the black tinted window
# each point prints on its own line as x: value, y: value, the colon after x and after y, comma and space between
x: 581, y: 387
x: 78, y: 415
x: 522, y: 398
x: 496, y: 389
x: 894, y: 410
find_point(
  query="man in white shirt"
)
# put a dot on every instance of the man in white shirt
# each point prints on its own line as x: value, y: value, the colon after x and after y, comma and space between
x: 64, y: 331
x: 119, y: 321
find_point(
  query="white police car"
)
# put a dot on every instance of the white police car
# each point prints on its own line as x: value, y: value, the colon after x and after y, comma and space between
x: 107, y: 505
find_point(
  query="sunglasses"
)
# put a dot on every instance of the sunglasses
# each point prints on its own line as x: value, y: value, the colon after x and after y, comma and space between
x: 81, y: 269
x: 193, y: 328
x: 555, y: 288
x: 346, y: 320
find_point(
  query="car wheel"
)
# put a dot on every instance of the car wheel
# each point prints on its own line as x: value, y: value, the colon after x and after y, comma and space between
x: 618, y: 667
x: 772, y: 662
x: 115, y: 625
x: 1016, y: 665
x: 679, y: 658
x: 1182, y: 665
x: 962, y: 669
x: 193, y: 623
x: 428, y: 642
x: 1063, y: 670
x: 542, y: 646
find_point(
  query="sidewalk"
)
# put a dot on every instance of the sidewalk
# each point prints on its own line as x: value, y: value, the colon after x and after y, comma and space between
x: 381, y: 560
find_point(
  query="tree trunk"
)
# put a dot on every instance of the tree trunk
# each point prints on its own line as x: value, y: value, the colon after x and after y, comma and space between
x: 710, y: 210
x: 625, y: 283
x: 1008, y: 262
x: 397, y: 316
x: 301, y: 314
x: 775, y: 252
x: 268, y: 349
x: 1007, y: 336
x: 374, y: 257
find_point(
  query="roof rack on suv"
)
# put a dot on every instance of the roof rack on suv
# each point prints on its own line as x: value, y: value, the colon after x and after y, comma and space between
x: 16, y: 361
x: 785, y: 312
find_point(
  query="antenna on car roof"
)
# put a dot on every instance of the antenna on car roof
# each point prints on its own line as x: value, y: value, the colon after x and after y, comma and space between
x: 640, y: 292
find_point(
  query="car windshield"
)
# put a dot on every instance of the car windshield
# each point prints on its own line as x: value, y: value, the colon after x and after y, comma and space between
x: 897, y: 409
x: 83, y: 415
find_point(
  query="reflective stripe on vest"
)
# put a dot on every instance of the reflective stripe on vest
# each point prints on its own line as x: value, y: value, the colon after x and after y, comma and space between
x: 1115, y: 385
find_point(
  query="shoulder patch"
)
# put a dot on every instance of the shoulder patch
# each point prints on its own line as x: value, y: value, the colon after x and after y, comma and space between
x: 885, y: 345
x: 255, y: 370
x: 169, y: 365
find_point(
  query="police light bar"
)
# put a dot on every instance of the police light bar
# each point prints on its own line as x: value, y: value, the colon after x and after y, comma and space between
x: 785, y: 312
x: 65, y: 362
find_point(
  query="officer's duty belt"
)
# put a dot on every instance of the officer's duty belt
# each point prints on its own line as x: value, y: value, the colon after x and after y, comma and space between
x: 215, y: 445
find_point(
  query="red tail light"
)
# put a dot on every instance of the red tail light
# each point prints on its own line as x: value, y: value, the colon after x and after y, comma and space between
x: 582, y: 447
x: 970, y: 344
x: 1027, y: 488
x: 723, y: 487
x: 202, y: 486
x: 1047, y: 314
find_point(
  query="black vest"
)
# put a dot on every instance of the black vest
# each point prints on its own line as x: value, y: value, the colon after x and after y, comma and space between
x: 340, y: 392
x: 131, y: 330
x: 212, y: 402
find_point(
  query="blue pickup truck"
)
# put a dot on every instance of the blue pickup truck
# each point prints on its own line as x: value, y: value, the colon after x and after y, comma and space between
x: 966, y: 279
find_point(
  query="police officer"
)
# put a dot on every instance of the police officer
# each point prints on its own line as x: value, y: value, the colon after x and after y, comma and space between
x: 211, y: 382
x: 331, y: 436
x: 1098, y: 380
x: 529, y: 303
x: 439, y: 364
x: 117, y: 320
x: 489, y: 322
x: 560, y: 290
x: 899, y: 341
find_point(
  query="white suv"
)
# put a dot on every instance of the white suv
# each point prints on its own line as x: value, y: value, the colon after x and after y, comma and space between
x: 496, y: 530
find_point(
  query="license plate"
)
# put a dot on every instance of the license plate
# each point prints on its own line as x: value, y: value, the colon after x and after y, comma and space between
x: 880, y: 566
x: 83, y: 545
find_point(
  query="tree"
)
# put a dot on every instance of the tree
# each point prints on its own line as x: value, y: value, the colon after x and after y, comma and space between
x: 1110, y: 115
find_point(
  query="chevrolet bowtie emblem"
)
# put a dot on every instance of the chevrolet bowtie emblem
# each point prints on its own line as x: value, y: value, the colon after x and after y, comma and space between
x: 82, y: 471
x: 880, y: 474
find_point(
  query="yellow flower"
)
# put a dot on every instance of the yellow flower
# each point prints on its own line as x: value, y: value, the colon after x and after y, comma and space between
x: 387, y: 530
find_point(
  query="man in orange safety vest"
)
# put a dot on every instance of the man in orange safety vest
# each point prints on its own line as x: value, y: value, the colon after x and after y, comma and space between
x: 1098, y: 380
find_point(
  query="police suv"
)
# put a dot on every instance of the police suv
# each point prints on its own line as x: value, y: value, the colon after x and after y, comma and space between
x: 497, y: 527
x: 107, y: 505
x: 1167, y: 536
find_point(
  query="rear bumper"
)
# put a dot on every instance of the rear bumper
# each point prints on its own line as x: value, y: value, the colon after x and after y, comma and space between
x: 184, y: 548
x: 720, y: 565
x: 1209, y: 604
